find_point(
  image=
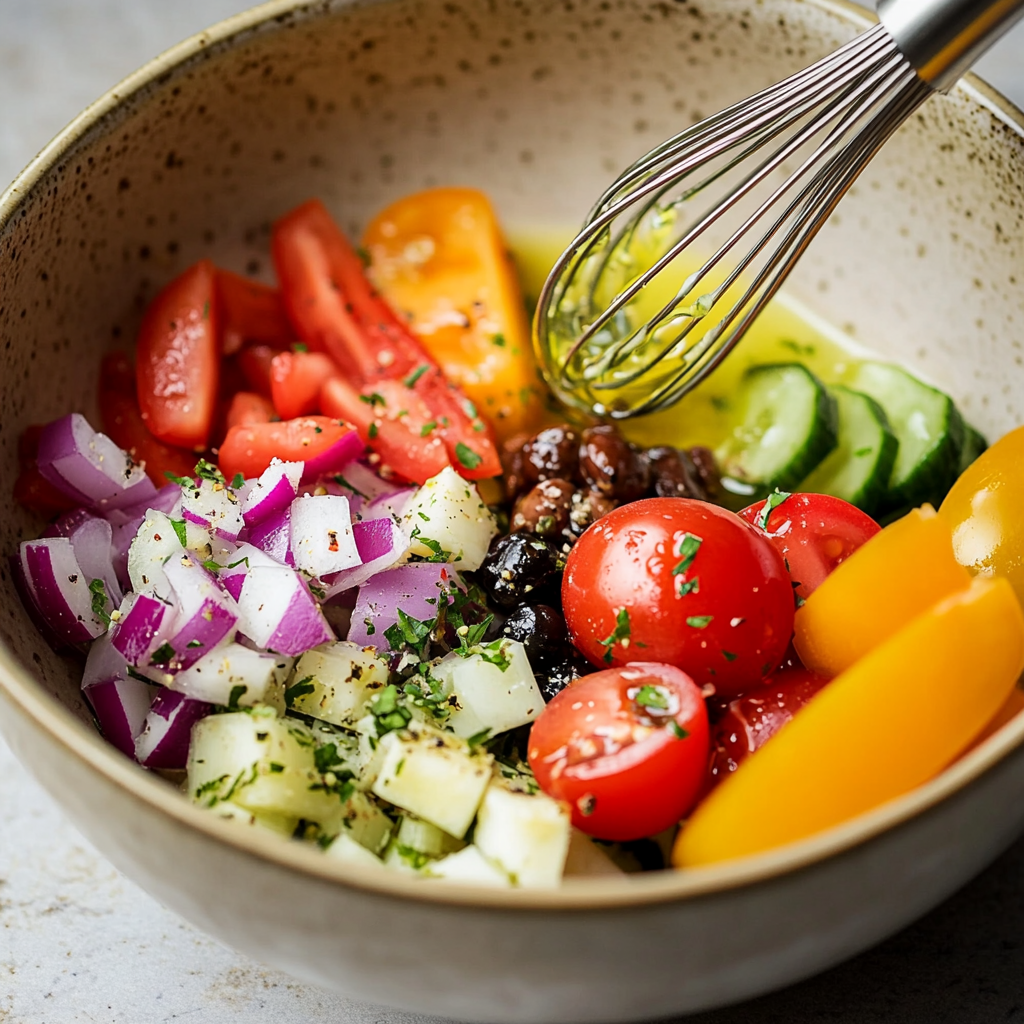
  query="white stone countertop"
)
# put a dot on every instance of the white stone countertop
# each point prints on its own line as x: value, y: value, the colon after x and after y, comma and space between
x: 80, y: 943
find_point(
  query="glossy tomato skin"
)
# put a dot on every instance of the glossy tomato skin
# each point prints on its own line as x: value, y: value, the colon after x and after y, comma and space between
x: 249, y: 448
x: 750, y: 721
x: 719, y: 606
x: 178, y: 360
x: 626, y: 769
x: 813, y: 533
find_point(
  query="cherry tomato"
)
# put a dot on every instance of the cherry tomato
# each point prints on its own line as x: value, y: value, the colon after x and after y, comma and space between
x: 255, y: 361
x: 247, y: 408
x: 750, y: 721
x: 250, y: 311
x: 178, y: 360
x: 626, y: 749
x: 122, y: 423
x: 249, y: 449
x: 295, y: 382
x: 812, y: 532
x: 683, y: 582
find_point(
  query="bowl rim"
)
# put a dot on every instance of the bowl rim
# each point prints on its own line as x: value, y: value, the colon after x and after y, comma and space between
x: 583, y: 894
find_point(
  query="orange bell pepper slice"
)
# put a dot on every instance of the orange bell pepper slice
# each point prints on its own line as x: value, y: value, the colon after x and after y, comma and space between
x: 886, y: 725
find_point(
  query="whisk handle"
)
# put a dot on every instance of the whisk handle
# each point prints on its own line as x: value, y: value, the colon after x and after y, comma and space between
x: 942, y: 38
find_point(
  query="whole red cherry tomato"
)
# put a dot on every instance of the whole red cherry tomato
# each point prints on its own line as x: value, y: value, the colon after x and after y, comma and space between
x: 750, y: 721
x: 812, y: 532
x: 626, y: 749
x: 683, y: 582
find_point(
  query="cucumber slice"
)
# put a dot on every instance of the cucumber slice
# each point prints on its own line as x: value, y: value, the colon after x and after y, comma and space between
x: 787, y: 426
x: 859, y: 467
x: 928, y: 427
x: 974, y: 445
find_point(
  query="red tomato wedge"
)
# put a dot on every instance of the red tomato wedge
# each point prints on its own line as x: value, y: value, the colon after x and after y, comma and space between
x: 296, y: 379
x: 249, y: 449
x: 336, y: 310
x: 178, y: 359
x: 394, y: 422
x: 250, y: 311
x: 626, y: 749
x: 247, y: 408
x: 122, y: 422
x: 255, y: 361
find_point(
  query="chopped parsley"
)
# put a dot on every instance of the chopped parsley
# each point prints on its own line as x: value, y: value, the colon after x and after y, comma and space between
x: 494, y: 653
x: 689, y: 586
x: 651, y: 698
x: 619, y: 635
x: 181, y: 481
x: 298, y: 346
x: 698, y: 621
x: 372, y: 431
x: 467, y: 456
x: 415, y: 375
x: 376, y: 398
x: 299, y: 689
x: 861, y: 452
x: 208, y: 471
x: 479, y: 737
x: 687, y: 553
x: 437, y: 553
x: 677, y: 730
x: 237, y: 692
x: 499, y: 340
x: 99, y: 601
x: 409, y: 632
x: 163, y: 655
x: 729, y: 656
x: 180, y: 531
x: 773, y: 501
x: 428, y: 428
x: 388, y: 712
x: 236, y: 481
x: 342, y: 482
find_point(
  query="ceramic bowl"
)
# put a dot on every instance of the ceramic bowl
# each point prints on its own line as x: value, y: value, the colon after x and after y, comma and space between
x: 539, y: 103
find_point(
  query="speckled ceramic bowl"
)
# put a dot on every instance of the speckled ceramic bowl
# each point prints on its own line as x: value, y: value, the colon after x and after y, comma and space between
x: 538, y: 102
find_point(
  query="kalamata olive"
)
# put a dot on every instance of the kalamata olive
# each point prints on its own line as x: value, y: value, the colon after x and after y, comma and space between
x: 611, y: 465
x: 586, y: 508
x: 512, y: 465
x: 541, y: 630
x: 551, y: 454
x: 706, y: 465
x: 518, y: 566
x: 673, y: 474
x: 544, y: 509
x: 559, y: 675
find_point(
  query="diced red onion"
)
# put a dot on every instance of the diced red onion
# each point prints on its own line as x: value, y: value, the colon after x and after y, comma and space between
x: 92, y: 541
x: 415, y: 588
x: 166, y: 500
x: 335, y: 458
x: 388, y: 506
x: 204, y: 614
x: 89, y: 467
x: 119, y: 703
x: 164, y: 739
x: 31, y: 605
x: 273, y: 492
x: 361, y: 484
x: 233, y: 675
x: 321, y: 534
x: 278, y: 613
x: 143, y: 624
x: 61, y: 589
x: 155, y: 543
x: 273, y: 535
x: 380, y: 543
x: 214, y: 507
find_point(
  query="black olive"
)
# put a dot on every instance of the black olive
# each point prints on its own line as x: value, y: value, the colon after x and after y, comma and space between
x: 541, y: 630
x: 562, y: 673
x: 521, y: 567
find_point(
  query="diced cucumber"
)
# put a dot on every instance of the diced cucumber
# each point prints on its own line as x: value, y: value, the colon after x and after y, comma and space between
x: 928, y: 427
x: 974, y: 445
x: 281, y: 824
x: 333, y: 682
x: 787, y: 426
x: 858, y: 468
x: 345, y: 848
x: 470, y: 867
x: 428, y: 839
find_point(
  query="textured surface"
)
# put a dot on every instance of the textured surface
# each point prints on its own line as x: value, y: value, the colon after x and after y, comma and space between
x: 80, y: 943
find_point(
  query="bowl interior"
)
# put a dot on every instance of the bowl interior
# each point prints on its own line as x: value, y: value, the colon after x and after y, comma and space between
x: 539, y: 104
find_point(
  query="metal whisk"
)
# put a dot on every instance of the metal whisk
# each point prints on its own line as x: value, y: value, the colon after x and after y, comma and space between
x: 616, y: 332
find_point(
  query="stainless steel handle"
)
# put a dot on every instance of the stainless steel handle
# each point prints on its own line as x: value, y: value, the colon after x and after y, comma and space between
x: 942, y: 38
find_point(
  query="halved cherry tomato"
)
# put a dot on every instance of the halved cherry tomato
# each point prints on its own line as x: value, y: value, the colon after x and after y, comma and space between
x: 250, y: 311
x: 122, y: 423
x: 249, y: 449
x: 178, y: 359
x: 683, y: 582
x: 394, y: 422
x: 296, y: 379
x: 750, y: 721
x: 626, y: 749
x: 336, y: 310
x: 255, y: 361
x: 247, y: 408
x: 812, y: 532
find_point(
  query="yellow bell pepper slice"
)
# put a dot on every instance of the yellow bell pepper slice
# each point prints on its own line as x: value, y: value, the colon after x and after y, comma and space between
x: 888, y: 724
x: 985, y: 508
x: 882, y: 586
x: 439, y: 257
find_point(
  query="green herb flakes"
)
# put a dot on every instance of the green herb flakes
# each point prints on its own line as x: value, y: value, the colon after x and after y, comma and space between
x: 619, y: 635
x: 699, y: 621
x: 773, y: 501
x: 466, y: 456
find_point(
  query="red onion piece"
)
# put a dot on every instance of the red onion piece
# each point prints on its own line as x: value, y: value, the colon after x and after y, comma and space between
x: 415, y: 588
x: 155, y: 545
x: 388, y: 506
x: 61, y: 589
x: 119, y: 703
x: 143, y: 624
x: 273, y: 492
x: 335, y: 458
x: 321, y: 534
x: 204, y: 615
x: 89, y: 467
x: 361, y: 484
x: 28, y: 600
x: 92, y: 541
x: 278, y: 613
x: 164, y: 739
x: 380, y: 543
x: 214, y: 507
x: 165, y: 500
x: 273, y: 535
